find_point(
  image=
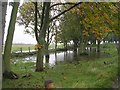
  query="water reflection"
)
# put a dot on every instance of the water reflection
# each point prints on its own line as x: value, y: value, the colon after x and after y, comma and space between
x: 60, y: 56
x: 66, y: 56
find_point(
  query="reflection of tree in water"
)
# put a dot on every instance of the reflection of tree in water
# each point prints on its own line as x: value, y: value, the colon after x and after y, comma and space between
x: 65, y: 55
x: 47, y: 58
x: 55, y: 57
x: 75, y: 55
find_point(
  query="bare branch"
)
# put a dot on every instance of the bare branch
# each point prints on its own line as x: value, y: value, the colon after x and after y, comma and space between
x: 56, y: 10
x: 61, y: 4
x: 65, y: 11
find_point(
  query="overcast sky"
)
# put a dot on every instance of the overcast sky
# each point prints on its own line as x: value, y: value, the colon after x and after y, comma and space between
x: 19, y: 36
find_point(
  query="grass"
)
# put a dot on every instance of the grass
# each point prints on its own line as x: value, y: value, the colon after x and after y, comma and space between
x: 25, y: 47
x: 82, y: 74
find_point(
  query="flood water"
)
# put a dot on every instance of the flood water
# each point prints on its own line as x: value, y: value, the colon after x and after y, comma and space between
x: 60, y: 56
x: 65, y: 56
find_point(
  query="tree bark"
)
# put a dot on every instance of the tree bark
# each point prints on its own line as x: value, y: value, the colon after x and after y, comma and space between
x: 84, y: 46
x: 75, y: 45
x: 47, y: 56
x: 75, y: 48
x: 8, y: 44
x: 41, y: 37
x: 80, y: 48
x: 56, y: 41
x: 39, y: 62
x: 4, y: 9
x: 65, y: 45
x: 47, y: 52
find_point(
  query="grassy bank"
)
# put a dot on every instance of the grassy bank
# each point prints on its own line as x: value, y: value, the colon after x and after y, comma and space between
x: 78, y: 74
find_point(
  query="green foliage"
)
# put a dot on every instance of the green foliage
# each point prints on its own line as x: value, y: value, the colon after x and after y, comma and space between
x: 70, y: 28
x: 26, y: 17
x: 98, y: 19
x: 91, y: 21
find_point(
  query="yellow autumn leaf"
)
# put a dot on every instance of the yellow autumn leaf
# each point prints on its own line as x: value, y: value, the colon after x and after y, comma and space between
x: 38, y: 46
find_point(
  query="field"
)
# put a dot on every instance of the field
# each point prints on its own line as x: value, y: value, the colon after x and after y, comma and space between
x: 26, y: 47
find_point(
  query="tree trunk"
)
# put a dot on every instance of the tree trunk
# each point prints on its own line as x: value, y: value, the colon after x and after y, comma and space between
x: 3, y: 6
x: 4, y: 9
x: 47, y: 53
x: 80, y: 48
x: 41, y: 38
x: 94, y: 42
x: 56, y: 41
x: 47, y: 46
x: 40, y: 54
x: 75, y: 48
x: 0, y: 45
x: 98, y: 46
x: 8, y: 44
x: 75, y: 45
x: 56, y: 49
x: 66, y: 45
x: 56, y: 46
x: 84, y: 46
x: 39, y: 62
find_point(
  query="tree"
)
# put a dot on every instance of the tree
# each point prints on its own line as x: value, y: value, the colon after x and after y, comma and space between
x: 116, y: 32
x: 40, y: 33
x: 71, y: 29
x: 97, y: 20
x: 41, y: 37
x: 4, y: 9
x: 8, y: 44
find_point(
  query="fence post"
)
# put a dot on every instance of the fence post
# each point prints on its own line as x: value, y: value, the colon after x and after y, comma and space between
x: 21, y: 50
x: 29, y: 49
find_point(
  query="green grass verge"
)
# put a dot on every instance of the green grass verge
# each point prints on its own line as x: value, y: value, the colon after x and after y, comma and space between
x: 86, y: 74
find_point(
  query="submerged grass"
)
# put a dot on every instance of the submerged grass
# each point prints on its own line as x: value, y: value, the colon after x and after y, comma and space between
x: 78, y: 74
